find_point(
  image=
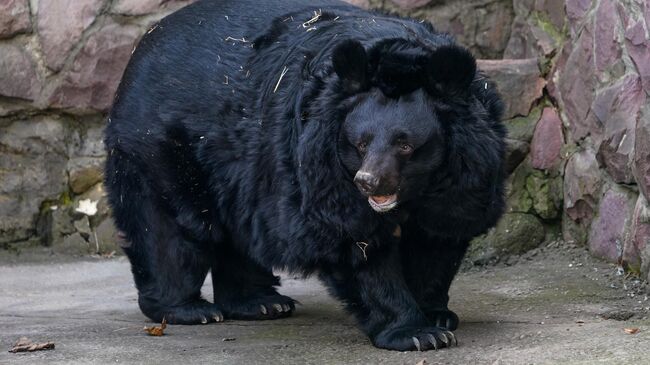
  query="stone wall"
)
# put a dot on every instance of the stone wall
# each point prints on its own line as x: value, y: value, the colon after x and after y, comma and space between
x: 601, y: 81
x: 575, y: 75
x: 60, y: 63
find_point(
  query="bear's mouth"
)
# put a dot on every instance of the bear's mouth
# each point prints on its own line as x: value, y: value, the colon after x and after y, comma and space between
x: 383, y: 203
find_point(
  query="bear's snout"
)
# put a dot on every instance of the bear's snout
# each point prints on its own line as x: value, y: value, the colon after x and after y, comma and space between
x: 369, y: 185
x: 366, y: 182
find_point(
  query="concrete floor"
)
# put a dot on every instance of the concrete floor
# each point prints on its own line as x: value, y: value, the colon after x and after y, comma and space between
x: 545, y: 309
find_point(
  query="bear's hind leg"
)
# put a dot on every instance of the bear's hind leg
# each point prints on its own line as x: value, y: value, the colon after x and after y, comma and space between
x: 169, y: 269
x: 170, y: 283
x: 243, y: 289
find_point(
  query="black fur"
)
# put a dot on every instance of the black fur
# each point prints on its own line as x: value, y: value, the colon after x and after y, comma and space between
x: 233, y: 145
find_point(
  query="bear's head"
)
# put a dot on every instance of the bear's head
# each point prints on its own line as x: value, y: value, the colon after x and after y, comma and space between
x: 404, y: 101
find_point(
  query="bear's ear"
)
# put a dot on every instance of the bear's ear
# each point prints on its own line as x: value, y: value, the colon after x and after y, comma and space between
x: 451, y: 70
x: 350, y: 63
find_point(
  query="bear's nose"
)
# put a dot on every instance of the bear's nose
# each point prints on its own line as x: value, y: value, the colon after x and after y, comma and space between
x: 366, y: 182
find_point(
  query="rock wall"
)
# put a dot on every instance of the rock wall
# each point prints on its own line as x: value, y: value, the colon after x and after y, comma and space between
x: 601, y: 81
x: 575, y: 75
x: 60, y: 63
x: 482, y: 25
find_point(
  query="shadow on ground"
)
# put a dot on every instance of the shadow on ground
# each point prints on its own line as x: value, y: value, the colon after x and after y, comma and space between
x: 548, y: 309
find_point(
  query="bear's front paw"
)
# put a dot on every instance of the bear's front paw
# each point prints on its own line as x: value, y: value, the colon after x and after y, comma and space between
x: 443, y: 318
x: 415, y: 338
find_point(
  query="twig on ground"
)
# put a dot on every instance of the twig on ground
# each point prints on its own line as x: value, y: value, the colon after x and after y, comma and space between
x: 26, y: 345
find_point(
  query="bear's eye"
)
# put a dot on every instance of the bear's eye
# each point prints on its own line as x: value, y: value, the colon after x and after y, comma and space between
x: 405, y: 148
x: 362, y: 146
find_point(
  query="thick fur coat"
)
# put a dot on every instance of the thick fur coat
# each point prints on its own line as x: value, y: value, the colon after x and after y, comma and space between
x: 313, y: 137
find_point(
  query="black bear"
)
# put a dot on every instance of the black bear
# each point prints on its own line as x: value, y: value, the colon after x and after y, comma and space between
x: 308, y: 136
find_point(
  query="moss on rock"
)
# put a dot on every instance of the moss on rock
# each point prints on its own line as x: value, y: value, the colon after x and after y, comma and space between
x: 546, y: 194
x: 523, y: 128
x: 535, y: 192
x: 515, y: 234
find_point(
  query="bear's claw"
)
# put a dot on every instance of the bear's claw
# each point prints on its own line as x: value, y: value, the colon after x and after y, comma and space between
x: 428, y: 338
x: 260, y: 307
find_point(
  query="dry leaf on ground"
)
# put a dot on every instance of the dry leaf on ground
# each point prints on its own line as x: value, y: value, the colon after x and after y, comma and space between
x: 157, y: 330
x: 631, y: 331
x: 26, y: 345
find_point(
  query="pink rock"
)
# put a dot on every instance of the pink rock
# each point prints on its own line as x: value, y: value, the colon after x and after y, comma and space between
x: 611, y: 227
x: 17, y: 73
x: 519, y: 82
x: 576, y: 85
x: 545, y: 42
x: 576, y: 10
x: 638, y: 46
x: 410, y: 4
x: 482, y: 26
x: 97, y: 69
x: 490, y: 27
x: 547, y: 141
x: 635, y: 34
x: 522, y: 41
x: 615, y: 155
x: 136, y: 7
x: 617, y: 108
x: 14, y: 17
x: 639, y: 236
x: 360, y: 3
x: 582, y: 185
x: 607, y: 48
x: 523, y: 7
x: 143, y: 7
x: 61, y: 24
x: 529, y: 40
x: 554, y: 9
x: 641, y: 168
x: 623, y: 97
x: 623, y: 14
